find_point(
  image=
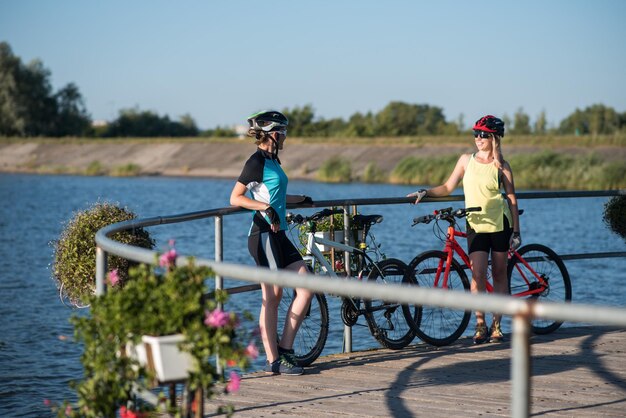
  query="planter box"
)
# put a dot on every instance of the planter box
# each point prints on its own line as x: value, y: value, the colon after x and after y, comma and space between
x: 161, y: 355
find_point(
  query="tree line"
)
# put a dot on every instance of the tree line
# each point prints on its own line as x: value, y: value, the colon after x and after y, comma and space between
x: 29, y: 107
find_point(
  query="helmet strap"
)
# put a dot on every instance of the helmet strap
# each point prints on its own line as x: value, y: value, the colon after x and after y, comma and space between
x: 274, y: 147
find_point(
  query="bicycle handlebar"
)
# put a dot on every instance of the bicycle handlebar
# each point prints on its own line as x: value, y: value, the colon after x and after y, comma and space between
x: 299, y: 219
x: 446, y: 214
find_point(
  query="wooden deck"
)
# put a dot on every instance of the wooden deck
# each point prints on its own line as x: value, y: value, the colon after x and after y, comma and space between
x: 577, y: 372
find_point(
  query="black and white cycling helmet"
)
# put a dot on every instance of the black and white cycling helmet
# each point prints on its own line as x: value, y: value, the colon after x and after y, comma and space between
x: 268, y: 121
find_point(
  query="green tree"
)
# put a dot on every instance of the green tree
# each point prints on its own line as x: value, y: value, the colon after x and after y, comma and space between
x: 28, y: 106
x: 403, y: 119
x: 360, y: 125
x: 72, y: 118
x: 521, y: 124
x: 541, y: 124
x: 301, y: 121
x: 594, y: 120
x: 133, y: 122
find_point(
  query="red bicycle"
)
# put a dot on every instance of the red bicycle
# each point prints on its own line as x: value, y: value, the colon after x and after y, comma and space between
x: 534, y: 271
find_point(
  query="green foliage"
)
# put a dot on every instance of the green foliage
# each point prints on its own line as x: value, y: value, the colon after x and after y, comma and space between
x: 543, y: 170
x: 403, y: 119
x: 549, y: 170
x: 301, y: 121
x: 74, y: 266
x: 373, y: 174
x: 126, y: 170
x: 220, y: 132
x: 594, y: 120
x: 153, y: 302
x: 425, y: 171
x: 28, y: 107
x: 133, y: 122
x: 335, y: 170
x: 521, y: 124
x: 615, y: 215
x: 95, y: 168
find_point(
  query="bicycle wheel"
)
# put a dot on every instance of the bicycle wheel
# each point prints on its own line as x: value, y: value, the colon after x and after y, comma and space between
x: 439, y: 326
x: 311, y: 337
x: 386, y: 320
x: 547, y: 265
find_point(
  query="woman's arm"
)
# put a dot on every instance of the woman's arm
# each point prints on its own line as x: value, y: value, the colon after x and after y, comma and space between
x: 509, y: 190
x: 450, y: 184
x: 238, y: 198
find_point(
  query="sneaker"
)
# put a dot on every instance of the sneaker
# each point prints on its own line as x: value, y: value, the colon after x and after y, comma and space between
x: 288, y: 354
x: 480, y: 335
x: 496, y: 333
x: 283, y: 366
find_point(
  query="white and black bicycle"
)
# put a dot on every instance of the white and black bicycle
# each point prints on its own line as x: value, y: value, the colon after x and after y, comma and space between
x: 386, y: 320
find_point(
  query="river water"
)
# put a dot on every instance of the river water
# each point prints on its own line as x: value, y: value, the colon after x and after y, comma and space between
x: 37, y: 355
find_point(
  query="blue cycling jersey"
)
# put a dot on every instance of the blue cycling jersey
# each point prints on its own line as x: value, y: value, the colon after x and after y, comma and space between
x: 267, y: 182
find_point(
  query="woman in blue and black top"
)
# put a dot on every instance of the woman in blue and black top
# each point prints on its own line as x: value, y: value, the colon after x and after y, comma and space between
x: 263, y: 176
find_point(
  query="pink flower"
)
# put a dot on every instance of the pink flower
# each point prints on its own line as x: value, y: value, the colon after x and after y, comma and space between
x: 216, y: 318
x: 252, y: 351
x: 68, y: 410
x: 235, y: 382
x: 114, y: 277
x: 47, y: 402
x: 168, y: 258
x: 129, y: 413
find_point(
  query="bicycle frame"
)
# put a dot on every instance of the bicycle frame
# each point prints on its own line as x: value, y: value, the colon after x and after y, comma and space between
x: 452, y: 246
x: 313, y: 253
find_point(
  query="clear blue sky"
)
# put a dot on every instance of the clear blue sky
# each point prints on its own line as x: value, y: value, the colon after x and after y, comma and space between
x: 221, y: 60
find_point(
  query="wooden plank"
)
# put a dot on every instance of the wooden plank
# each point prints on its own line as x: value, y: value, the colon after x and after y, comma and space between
x: 576, y: 372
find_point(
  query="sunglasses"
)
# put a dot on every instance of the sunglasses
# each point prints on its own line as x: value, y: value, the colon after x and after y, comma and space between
x: 482, y: 134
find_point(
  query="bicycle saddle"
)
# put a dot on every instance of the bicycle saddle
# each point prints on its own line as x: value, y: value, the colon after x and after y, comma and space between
x: 362, y: 220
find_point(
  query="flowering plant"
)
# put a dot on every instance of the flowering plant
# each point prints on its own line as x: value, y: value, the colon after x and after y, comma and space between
x: 74, y: 266
x: 156, y: 301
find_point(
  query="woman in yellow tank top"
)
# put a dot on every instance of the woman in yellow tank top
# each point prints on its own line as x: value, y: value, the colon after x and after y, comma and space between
x: 496, y: 227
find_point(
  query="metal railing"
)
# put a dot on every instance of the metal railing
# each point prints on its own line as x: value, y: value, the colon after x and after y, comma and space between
x: 521, y: 311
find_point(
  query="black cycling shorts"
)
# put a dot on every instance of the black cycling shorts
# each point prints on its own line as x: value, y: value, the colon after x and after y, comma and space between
x: 486, y: 241
x: 273, y: 250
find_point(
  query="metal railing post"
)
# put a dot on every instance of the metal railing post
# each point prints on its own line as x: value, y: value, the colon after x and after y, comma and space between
x: 219, y: 281
x: 347, y: 331
x: 101, y: 270
x: 219, y: 250
x: 520, y: 367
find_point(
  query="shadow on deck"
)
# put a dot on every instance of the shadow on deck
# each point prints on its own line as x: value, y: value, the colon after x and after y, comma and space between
x: 575, y: 372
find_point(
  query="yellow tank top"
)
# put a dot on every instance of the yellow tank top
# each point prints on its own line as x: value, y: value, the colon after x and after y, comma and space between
x: 481, y: 187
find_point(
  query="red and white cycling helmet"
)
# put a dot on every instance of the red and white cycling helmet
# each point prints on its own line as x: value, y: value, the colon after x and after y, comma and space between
x: 490, y: 124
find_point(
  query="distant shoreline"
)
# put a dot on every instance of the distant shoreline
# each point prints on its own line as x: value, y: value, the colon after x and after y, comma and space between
x: 224, y: 158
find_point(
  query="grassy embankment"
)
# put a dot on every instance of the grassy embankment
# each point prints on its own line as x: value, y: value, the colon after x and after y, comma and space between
x: 546, y: 167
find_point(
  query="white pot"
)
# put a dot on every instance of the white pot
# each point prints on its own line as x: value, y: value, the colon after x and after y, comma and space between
x: 161, y: 355
x: 326, y: 235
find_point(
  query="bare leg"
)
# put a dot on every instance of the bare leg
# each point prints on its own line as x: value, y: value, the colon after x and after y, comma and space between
x: 499, y: 262
x: 480, y: 262
x: 297, y: 310
x: 268, y: 319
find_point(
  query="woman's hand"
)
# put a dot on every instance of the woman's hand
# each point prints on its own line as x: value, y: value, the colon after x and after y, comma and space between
x: 516, y: 241
x: 273, y: 217
x: 419, y: 195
